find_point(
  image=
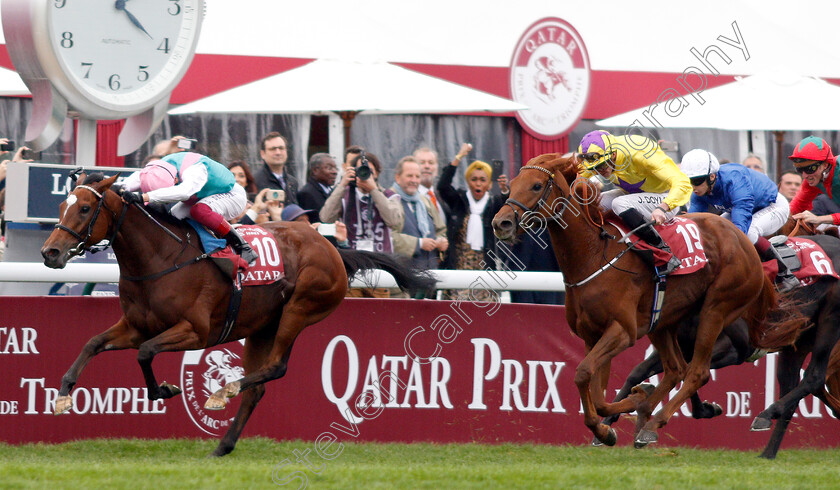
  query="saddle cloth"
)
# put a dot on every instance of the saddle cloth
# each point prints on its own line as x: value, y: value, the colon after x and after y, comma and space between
x: 268, y: 268
x: 682, y: 235
x: 815, y: 262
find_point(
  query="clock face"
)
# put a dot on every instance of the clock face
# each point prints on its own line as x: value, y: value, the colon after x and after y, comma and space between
x: 121, y: 55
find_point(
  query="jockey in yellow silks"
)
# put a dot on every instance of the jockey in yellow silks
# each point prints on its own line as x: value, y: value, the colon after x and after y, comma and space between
x: 651, y: 187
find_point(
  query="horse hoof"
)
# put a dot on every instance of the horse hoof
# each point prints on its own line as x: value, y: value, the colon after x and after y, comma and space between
x: 708, y: 410
x: 169, y: 390
x: 644, y: 438
x: 761, y: 423
x: 596, y: 442
x: 231, y: 389
x: 645, y: 388
x: 63, y: 404
x: 612, y: 438
x: 215, y: 402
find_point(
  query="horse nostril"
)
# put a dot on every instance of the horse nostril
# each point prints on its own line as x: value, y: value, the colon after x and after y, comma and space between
x: 506, y: 224
x: 49, y: 252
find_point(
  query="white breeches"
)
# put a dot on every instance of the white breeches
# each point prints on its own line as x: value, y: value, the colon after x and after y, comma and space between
x: 619, y: 201
x: 229, y: 204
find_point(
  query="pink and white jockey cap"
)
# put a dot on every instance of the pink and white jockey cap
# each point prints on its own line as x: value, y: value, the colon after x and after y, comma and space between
x: 157, y: 174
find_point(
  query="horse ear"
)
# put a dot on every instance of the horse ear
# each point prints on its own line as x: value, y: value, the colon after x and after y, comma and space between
x: 106, y: 184
x: 566, y: 164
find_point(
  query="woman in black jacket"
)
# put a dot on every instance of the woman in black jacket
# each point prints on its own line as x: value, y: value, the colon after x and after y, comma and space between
x: 469, y: 224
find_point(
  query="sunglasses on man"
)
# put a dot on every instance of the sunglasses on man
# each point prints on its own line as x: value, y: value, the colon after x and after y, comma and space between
x: 808, y: 169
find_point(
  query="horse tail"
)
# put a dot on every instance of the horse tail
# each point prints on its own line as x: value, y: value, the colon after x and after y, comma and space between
x: 775, y: 321
x: 408, y: 276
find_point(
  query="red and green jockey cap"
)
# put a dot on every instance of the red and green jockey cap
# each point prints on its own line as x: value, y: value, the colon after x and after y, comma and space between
x: 811, y: 149
x: 596, y: 147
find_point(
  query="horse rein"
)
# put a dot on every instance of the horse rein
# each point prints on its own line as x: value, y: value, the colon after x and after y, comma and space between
x: 80, y: 247
x: 541, y: 201
x: 587, y: 217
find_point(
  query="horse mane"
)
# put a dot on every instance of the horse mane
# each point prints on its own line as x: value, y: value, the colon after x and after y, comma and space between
x: 94, y: 178
x: 567, y: 165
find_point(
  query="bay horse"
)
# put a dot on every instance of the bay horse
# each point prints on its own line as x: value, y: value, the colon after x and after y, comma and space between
x: 821, y: 305
x: 609, y: 293
x: 173, y: 301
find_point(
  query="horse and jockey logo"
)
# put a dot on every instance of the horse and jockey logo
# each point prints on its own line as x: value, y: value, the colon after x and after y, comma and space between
x: 550, y: 74
x: 203, y: 372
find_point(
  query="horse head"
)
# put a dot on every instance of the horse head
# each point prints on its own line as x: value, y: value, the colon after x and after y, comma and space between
x: 82, y: 223
x: 543, y: 192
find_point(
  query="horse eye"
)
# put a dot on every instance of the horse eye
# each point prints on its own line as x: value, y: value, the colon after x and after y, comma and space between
x: 85, y: 208
x: 537, y: 187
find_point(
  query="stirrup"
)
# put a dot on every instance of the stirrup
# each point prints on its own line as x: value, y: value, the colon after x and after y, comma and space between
x: 787, y: 282
x: 248, y: 255
x: 673, y: 264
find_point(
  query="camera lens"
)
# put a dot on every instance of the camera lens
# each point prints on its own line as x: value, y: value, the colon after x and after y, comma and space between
x: 363, y: 172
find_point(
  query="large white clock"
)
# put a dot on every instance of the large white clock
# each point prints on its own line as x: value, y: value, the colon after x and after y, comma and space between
x: 100, y: 59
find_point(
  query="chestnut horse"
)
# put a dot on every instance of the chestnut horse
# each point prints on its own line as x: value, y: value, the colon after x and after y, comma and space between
x: 172, y: 300
x: 609, y: 293
x: 733, y: 346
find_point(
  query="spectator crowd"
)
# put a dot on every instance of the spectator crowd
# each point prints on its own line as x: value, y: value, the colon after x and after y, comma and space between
x: 422, y: 215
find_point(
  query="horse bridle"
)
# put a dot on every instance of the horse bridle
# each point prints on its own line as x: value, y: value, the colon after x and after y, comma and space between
x: 80, y: 247
x: 542, y: 200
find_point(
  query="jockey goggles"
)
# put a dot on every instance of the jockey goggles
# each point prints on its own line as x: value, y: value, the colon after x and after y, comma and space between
x: 807, y: 169
x: 594, y: 156
x: 695, y: 181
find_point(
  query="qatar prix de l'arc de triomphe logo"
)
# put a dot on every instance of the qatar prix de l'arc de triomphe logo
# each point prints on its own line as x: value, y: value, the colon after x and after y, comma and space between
x: 203, y: 372
x: 550, y: 73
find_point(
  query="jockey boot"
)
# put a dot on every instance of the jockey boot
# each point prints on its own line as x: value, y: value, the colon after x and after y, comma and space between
x: 634, y: 219
x: 241, y: 247
x: 785, y: 280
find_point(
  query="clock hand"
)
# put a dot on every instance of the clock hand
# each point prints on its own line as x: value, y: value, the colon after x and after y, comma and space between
x: 120, y: 5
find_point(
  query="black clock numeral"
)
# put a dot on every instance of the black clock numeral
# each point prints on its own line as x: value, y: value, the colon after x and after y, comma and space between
x: 175, y: 5
x: 164, y: 46
x: 59, y: 4
x: 88, y: 66
x: 143, y: 75
x: 114, y: 82
x: 67, y: 39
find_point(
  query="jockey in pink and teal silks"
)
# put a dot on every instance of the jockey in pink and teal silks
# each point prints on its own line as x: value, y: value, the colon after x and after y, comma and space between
x: 204, y: 189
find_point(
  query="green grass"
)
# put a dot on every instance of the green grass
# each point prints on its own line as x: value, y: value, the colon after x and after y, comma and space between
x: 183, y: 464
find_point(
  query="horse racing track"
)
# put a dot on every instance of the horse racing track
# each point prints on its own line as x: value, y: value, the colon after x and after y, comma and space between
x: 376, y: 370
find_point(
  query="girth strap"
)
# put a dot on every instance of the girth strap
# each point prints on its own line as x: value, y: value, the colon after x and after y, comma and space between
x: 233, y: 310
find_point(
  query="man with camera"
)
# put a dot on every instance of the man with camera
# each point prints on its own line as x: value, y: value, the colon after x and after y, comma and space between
x: 369, y: 211
x: 274, y: 152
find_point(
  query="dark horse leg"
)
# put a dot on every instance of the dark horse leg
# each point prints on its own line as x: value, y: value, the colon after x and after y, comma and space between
x: 731, y: 348
x: 118, y: 337
x: 180, y: 337
x: 825, y: 338
x: 313, y: 300
x: 790, y: 362
x: 256, y: 351
x: 722, y: 306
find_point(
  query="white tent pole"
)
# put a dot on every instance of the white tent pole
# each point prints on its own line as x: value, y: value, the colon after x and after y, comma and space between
x: 336, y: 137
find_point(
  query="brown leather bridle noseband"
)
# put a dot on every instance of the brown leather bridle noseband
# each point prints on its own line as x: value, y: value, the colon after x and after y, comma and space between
x: 81, y: 247
x: 541, y: 201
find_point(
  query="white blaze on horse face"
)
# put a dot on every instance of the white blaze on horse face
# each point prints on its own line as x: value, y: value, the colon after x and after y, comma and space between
x: 71, y: 200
